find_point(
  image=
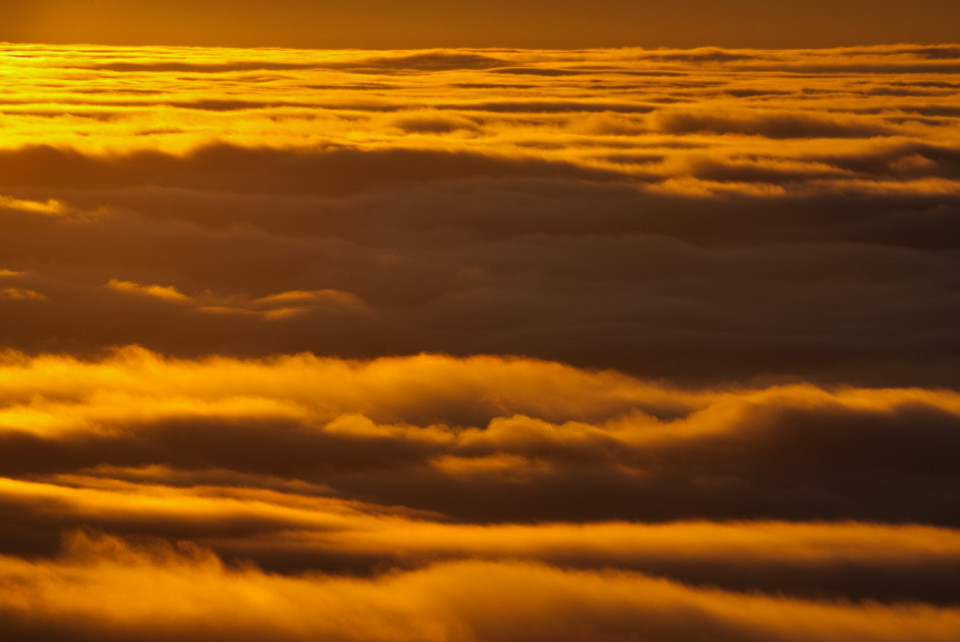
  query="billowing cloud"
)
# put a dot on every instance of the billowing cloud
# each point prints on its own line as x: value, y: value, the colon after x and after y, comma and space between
x: 105, y: 589
x: 493, y: 439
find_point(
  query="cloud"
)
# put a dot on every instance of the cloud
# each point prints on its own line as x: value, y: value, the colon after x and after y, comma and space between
x: 440, y: 60
x: 434, y: 124
x: 230, y: 168
x: 104, y: 588
x: 771, y: 125
x: 165, y: 292
x: 655, y: 282
x: 20, y: 294
x: 488, y: 439
x: 224, y: 67
x: 273, y: 306
x: 51, y: 207
x: 649, y: 344
x: 703, y: 54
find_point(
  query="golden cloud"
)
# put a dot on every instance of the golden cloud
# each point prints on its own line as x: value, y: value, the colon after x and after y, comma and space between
x: 104, y: 587
x: 462, y: 344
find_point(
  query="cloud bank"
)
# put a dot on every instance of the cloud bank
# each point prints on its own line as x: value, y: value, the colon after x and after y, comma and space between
x: 307, y: 480
x: 704, y: 216
x: 479, y: 345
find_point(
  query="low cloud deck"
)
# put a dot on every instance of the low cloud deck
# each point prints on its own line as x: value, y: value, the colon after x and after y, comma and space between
x: 481, y: 345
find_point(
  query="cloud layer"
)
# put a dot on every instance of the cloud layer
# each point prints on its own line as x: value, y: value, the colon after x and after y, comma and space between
x: 160, y: 593
x: 479, y: 345
x: 700, y: 215
x: 430, y: 477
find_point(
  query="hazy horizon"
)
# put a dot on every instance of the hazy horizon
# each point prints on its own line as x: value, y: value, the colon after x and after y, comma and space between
x: 383, y: 24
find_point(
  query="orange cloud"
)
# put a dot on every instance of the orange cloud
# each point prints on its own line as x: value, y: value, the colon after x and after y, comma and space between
x: 104, y: 587
x: 50, y: 207
x: 487, y: 438
x: 274, y: 306
x: 463, y: 344
x: 167, y: 293
x: 21, y: 294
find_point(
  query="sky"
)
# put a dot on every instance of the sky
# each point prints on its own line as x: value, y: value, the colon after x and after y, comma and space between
x: 483, y: 343
x: 391, y: 24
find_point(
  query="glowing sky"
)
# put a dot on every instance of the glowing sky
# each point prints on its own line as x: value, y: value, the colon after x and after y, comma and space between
x: 490, y: 23
x: 477, y: 345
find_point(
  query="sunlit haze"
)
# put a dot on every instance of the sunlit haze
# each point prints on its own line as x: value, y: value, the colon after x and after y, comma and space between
x: 389, y: 24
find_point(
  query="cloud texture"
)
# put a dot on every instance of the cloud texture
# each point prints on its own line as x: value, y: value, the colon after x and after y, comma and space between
x: 479, y: 345
x: 458, y: 499
x: 704, y: 215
